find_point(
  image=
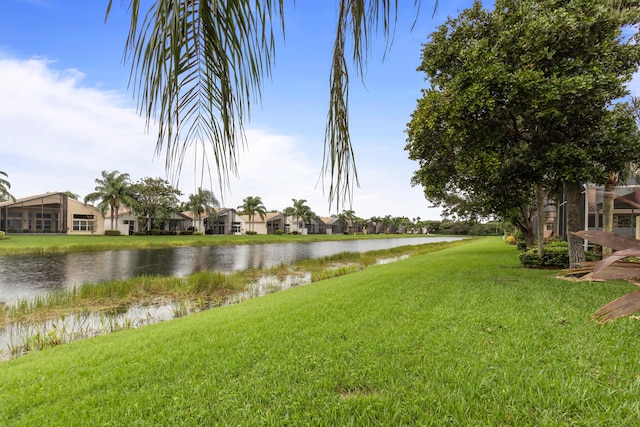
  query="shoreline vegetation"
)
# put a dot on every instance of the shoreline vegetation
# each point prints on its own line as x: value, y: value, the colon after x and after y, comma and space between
x: 43, y: 244
x: 186, y: 295
x: 461, y: 336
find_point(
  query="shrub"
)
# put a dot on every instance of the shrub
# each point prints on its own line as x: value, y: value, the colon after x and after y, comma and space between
x: 557, y: 244
x: 112, y: 232
x: 511, y: 240
x: 278, y: 232
x: 156, y: 232
x: 2, y: 235
x: 530, y: 258
x: 251, y: 233
x: 554, y: 256
x: 186, y: 232
x: 140, y: 233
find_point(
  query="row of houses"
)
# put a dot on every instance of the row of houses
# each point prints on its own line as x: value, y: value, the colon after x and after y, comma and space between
x: 58, y: 213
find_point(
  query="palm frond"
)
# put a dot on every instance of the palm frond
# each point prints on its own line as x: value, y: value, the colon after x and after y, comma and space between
x: 196, y: 68
x: 615, y: 241
x: 620, y: 307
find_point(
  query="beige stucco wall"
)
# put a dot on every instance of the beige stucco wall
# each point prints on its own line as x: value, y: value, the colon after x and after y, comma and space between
x: 79, y: 208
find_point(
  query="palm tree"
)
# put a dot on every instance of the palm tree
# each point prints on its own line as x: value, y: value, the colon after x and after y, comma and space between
x: 349, y: 217
x: 251, y: 206
x: 297, y: 211
x: 184, y: 52
x: 113, y: 191
x: 72, y: 195
x: 5, y: 185
x: 204, y: 201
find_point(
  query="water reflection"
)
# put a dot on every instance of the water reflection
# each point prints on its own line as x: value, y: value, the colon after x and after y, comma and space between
x: 29, y: 276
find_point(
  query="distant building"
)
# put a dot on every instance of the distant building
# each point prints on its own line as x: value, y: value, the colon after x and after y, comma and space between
x: 50, y: 213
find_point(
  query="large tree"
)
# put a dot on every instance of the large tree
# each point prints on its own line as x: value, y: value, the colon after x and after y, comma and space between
x: 252, y: 205
x: 5, y: 186
x: 197, y: 67
x: 113, y: 191
x: 156, y: 200
x: 518, y: 100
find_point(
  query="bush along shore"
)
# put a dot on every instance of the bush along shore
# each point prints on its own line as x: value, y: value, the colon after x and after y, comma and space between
x: 95, y: 309
x: 462, y: 336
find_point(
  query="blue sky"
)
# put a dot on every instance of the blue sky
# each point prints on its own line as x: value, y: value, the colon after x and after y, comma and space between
x: 66, y: 113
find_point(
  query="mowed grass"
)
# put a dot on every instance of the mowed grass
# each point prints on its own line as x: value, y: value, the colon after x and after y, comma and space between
x: 461, y: 336
x: 16, y: 244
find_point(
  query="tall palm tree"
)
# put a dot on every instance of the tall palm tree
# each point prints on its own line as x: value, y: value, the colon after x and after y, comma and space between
x: 251, y: 206
x: 184, y: 52
x: 5, y: 185
x: 202, y: 202
x: 298, y: 210
x: 114, y: 191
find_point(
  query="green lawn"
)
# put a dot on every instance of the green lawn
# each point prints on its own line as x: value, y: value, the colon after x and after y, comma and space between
x: 54, y: 243
x: 457, y: 337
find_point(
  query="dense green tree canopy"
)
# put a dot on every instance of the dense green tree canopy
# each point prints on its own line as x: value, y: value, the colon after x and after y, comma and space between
x: 156, y: 200
x: 521, y: 96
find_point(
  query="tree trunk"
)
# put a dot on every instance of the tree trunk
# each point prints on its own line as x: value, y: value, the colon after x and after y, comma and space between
x: 576, y: 251
x: 556, y: 220
x: 541, y: 196
x: 607, y: 207
x: 525, y: 225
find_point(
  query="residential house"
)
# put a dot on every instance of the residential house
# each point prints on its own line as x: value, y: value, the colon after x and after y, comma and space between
x: 626, y: 207
x: 270, y: 224
x: 50, y: 213
x: 223, y: 221
x: 331, y: 225
x: 129, y: 223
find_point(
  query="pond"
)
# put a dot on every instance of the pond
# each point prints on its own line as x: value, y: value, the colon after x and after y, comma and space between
x: 29, y: 276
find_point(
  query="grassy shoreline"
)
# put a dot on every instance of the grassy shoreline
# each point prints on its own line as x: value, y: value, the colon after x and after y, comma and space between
x: 461, y: 336
x: 36, y: 244
x: 208, y: 287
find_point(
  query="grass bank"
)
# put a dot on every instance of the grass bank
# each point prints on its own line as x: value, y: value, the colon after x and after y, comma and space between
x: 17, y: 244
x: 456, y: 337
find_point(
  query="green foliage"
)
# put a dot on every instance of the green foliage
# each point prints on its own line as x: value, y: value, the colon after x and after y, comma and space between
x: 156, y: 200
x: 112, y: 232
x: 252, y: 206
x: 113, y: 191
x: 251, y: 233
x: 278, y: 233
x: 522, y: 96
x: 555, y: 255
x: 2, y: 235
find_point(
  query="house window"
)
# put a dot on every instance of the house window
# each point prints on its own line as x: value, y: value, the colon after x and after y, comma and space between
x: 235, y: 228
x: 82, y: 222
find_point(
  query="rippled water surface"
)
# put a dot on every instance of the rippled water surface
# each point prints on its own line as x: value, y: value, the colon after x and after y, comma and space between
x: 28, y: 276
